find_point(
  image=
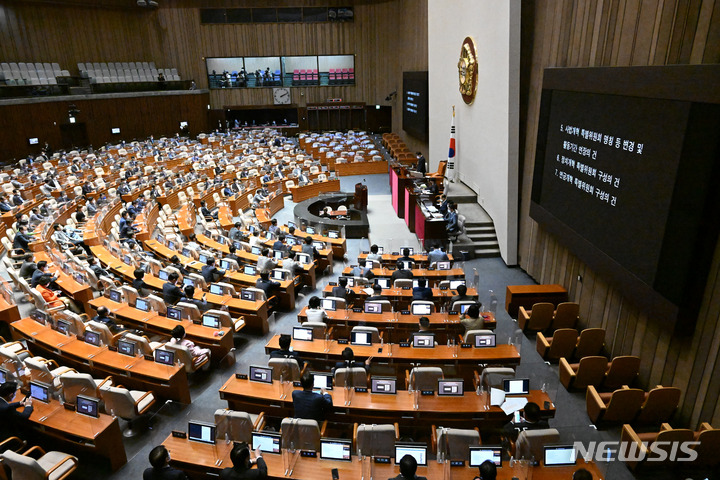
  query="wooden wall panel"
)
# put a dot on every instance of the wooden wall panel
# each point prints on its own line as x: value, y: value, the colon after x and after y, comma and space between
x: 614, y: 33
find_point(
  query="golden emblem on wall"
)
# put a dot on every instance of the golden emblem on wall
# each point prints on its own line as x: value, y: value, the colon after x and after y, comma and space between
x: 467, y: 70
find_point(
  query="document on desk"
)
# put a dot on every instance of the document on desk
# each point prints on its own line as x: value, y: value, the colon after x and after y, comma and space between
x: 497, y: 397
x: 513, y: 404
x: 368, y: 291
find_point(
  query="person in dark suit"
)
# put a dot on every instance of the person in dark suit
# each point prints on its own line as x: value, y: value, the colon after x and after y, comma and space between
x: 103, y: 316
x: 451, y: 219
x: 580, y: 474
x: 268, y: 286
x: 139, y: 284
x: 286, y: 350
x: 17, y: 198
x: 210, y: 272
x: 348, y: 361
x: 421, y: 165
x: 22, y: 239
x: 401, y: 272
x: 461, y: 295
x: 530, y: 420
x: 160, y: 469
x: 10, y: 418
x: 171, y: 292
x: 308, y: 404
x: 487, y: 471
x: 408, y: 467
x: 341, y: 290
x: 202, y: 304
x: 377, y: 294
x: 242, y: 465
x: 309, y: 248
x: 405, y: 257
x: 175, y: 262
x: 39, y: 272
x: 28, y: 267
x: 422, y: 291
x: 279, y: 244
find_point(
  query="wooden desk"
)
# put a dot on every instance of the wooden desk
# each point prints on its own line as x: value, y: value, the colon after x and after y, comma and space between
x: 392, y: 258
x: 528, y: 295
x: 8, y: 308
x: 463, y: 412
x: 313, y: 190
x: 401, y: 298
x: 219, y: 345
x: 430, y: 231
x: 95, y: 436
x: 432, y: 276
x: 339, y: 245
x: 201, y: 461
x: 360, y: 168
x: 401, y: 359
x: 167, y: 382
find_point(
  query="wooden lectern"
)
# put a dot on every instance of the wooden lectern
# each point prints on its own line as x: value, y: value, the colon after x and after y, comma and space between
x: 361, y: 197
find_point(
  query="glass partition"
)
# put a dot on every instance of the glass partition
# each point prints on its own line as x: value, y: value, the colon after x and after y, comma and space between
x: 290, y: 71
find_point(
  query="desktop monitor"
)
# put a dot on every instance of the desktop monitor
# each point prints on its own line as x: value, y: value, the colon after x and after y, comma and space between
x: 174, y: 313
x: 225, y: 265
x: 160, y: 238
x: 267, y: 442
x: 260, y: 374
x: 221, y: 240
x: 303, y: 258
x: 336, y: 449
x: 278, y: 275
x: 369, y: 264
x: 407, y: 265
x: 278, y: 254
x: 292, y: 224
x: 291, y: 241
x: 142, y: 304
x: 171, y: 245
x: 201, y: 432
x: 33, y: 141
x: 80, y: 278
x: 559, y: 455
x: 202, y: 259
x: 450, y: 387
x: 328, y: 304
x: 4, y: 375
x: 255, y: 250
x: 333, y: 234
x: 128, y: 260
x: 186, y: 252
x: 216, y: 289
x: 301, y: 333
x: 454, y: 284
x: 115, y: 296
x: 443, y: 265
x: 187, y: 281
x: 319, y: 245
x: 165, y: 357
x: 87, y: 406
x: 416, y: 450
x: 322, y: 380
x: 212, y: 321
x: 93, y: 338
x: 478, y: 455
x: 238, y: 245
x: 248, y: 295
x: 361, y: 338
x: 310, y: 231
x: 484, y: 341
x: 63, y: 326
x: 464, y: 307
x: 386, y: 385
x: 163, y: 275
x: 424, y: 340
x: 350, y: 281
x: 516, y: 386
x: 421, y: 309
x: 126, y: 348
x: 383, y: 282
x: 40, y: 391
x: 249, y: 270
x: 412, y: 250
x: 373, y: 307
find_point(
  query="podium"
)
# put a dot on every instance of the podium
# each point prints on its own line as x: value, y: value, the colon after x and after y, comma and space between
x: 360, y: 201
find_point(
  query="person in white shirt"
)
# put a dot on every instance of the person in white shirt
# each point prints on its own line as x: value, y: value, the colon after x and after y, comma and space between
x: 374, y: 255
x: 314, y: 312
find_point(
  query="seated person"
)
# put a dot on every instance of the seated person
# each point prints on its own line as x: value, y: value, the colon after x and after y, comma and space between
x: 530, y: 420
x: 422, y: 291
x: 198, y: 354
x: 437, y: 255
x: 175, y: 262
x: 202, y: 304
x: 97, y: 268
x: 264, y: 262
x: 423, y: 327
x: 487, y: 471
x: 310, y: 249
x: 279, y: 244
x: 11, y: 419
x: 103, y: 316
x: 348, y: 361
x: 171, y: 292
x: 582, y: 474
x: 408, y: 467
x: 28, y: 267
x: 472, y: 320
x: 206, y: 212
x: 40, y: 271
x: 286, y: 350
x: 270, y: 287
x: 235, y: 232
x: 22, y: 239
x: 377, y: 294
x: 341, y: 290
x: 308, y: 404
x: 160, y: 469
x: 231, y: 255
x: 405, y: 257
x: 374, y: 255
x: 314, y: 312
x: 461, y: 295
x: 291, y: 264
x: 242, y: 465
x: 210, y: 272
x: 52, y: 298
x: 139, y: 284
x: 401, y: 272
x: 273, y: 228
x: 70, y: 239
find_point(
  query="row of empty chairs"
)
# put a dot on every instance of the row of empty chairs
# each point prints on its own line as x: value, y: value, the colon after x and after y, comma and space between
x: 544, y: 316
x: 397, y: 148
x: 31, y: 73
x: 118, y: 72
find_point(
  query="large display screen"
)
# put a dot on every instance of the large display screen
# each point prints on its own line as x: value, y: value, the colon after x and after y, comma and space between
x: 415, y: 104
x: 623, y: 173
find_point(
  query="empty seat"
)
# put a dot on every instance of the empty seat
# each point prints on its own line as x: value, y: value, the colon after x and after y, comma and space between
x: 300, y: 433
x: 530, y: 443
x: 590, y: 343
x: 590, y: 371
x: 566, y: 315
x: 560, y: 345
x: 375, y: 440
x: 660, y: 405
x: 623, y: 370
x: 660, y: 442
x: 539, y: 318
x: 423, y: 378
x: 620, y: 406
x: 237, y: 426
x: 127, y: 404
x: 286, y: 369
x: 351, y: 377
x: 454, y: 443
x: 51, y: 465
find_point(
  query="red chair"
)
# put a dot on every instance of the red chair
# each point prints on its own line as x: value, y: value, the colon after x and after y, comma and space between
x: 345, y: 75
x: 296, y: 77
x: 315, y: 77
x: 303, y: 77
x: 331, y: 76
x: 351, y: 75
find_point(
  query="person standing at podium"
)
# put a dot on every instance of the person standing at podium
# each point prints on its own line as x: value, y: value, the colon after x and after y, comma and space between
x: 420, y: 166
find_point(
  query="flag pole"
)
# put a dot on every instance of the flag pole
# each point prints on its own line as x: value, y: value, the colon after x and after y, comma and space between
x: 451, y: 170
